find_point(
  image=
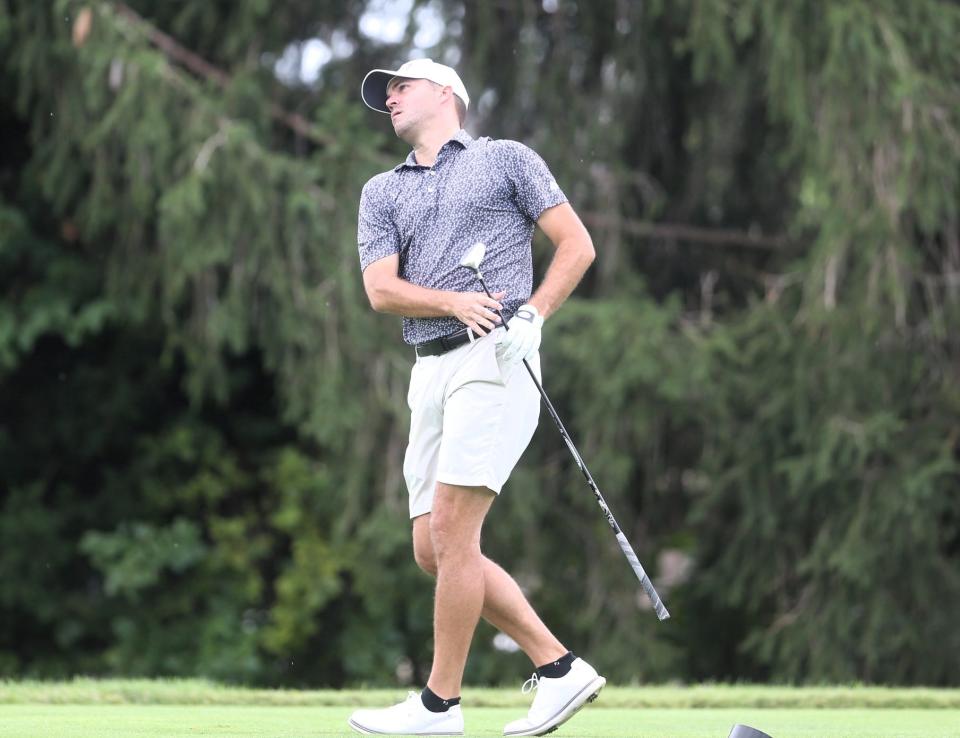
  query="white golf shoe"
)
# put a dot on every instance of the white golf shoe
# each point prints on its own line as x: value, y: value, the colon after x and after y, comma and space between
x: 408, y: 718
x: 557, y: 699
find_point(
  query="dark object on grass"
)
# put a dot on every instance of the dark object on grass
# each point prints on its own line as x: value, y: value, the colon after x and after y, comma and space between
x: 745, y: 731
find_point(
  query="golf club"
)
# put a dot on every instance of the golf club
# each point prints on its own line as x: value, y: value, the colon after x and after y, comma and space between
x: 471, y: 260
x: 745, y: 731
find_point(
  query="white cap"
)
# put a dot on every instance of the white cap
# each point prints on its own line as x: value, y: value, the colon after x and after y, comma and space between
x: 373, y: 90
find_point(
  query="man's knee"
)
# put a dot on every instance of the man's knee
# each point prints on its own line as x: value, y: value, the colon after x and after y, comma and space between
x: 426, y: 559
x: 449, y: 538
x: 455, y: 521
x: 423, y: 552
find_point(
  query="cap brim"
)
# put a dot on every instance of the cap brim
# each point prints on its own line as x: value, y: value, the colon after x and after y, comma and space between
x: 373, y: 90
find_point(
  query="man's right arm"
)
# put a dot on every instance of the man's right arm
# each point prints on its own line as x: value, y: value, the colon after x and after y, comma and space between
x: 389, y: 293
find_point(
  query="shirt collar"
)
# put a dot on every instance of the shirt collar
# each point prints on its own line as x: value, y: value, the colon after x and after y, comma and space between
x: 461, y: 137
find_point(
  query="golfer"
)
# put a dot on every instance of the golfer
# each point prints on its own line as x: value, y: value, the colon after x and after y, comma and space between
x: 473, y: 407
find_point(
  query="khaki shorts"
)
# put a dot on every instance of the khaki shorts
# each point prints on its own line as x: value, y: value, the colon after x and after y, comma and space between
x: 469, y: 424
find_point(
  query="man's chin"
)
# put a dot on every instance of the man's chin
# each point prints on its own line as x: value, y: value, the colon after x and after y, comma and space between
x: 404, y: 131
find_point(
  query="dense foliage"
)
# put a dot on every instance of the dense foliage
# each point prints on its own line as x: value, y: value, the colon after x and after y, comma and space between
x: 202, y: 422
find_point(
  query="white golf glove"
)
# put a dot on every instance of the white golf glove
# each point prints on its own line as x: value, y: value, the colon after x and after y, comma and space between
x: 522, y: 337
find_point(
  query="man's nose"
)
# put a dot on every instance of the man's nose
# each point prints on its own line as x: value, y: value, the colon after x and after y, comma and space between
x: 391, y: 101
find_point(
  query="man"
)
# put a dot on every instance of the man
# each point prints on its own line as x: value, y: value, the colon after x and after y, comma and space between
x: 473, y: 407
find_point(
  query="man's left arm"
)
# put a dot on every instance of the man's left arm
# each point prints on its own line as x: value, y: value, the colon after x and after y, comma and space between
x: 574, y: 254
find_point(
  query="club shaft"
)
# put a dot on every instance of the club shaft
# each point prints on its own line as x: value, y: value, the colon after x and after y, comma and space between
x: 625, y: 546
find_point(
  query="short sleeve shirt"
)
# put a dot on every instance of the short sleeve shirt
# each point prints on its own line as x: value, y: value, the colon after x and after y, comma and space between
x: 485, y: 190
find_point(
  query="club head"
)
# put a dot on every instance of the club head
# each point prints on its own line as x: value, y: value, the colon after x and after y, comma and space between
x: 745, y: 731
x: 471, y: 260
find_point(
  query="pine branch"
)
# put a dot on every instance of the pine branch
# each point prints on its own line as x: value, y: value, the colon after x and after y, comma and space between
x: 202, y: 68
x: 684, y: 232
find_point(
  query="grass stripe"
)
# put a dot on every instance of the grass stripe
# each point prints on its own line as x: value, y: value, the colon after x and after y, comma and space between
x: 235, y: 721
x: 87, y: 691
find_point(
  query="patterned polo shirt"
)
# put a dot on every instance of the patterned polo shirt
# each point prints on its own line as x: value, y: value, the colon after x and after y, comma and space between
x: 477, y: 190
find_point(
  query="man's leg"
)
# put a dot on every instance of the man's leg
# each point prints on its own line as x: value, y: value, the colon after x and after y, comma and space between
x: 455, y: 523
x: 504, y: 605
x: 565, y: 683
x: 454, y: 529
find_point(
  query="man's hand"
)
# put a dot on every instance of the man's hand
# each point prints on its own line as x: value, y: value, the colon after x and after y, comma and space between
x: 477, y: 311
x: 522, y: 338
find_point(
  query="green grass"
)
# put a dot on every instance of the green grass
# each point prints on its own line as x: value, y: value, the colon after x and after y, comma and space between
x: 86, y: 708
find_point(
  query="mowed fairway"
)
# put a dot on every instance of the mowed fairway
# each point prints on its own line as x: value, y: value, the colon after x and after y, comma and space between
x: 170, y: 721
x: 90, y: 709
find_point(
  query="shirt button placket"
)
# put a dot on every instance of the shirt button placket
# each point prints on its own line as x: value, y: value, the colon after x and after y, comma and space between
x: 433, y: 186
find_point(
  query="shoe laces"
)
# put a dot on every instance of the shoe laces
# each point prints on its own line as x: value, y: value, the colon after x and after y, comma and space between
x: 531, y: 684
x: 409, y: 702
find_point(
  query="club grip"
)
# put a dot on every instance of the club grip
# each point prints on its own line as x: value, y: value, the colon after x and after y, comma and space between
x: 645, y: 582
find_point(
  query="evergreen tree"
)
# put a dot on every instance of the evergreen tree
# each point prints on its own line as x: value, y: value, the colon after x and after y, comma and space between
x: 202, y: 422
